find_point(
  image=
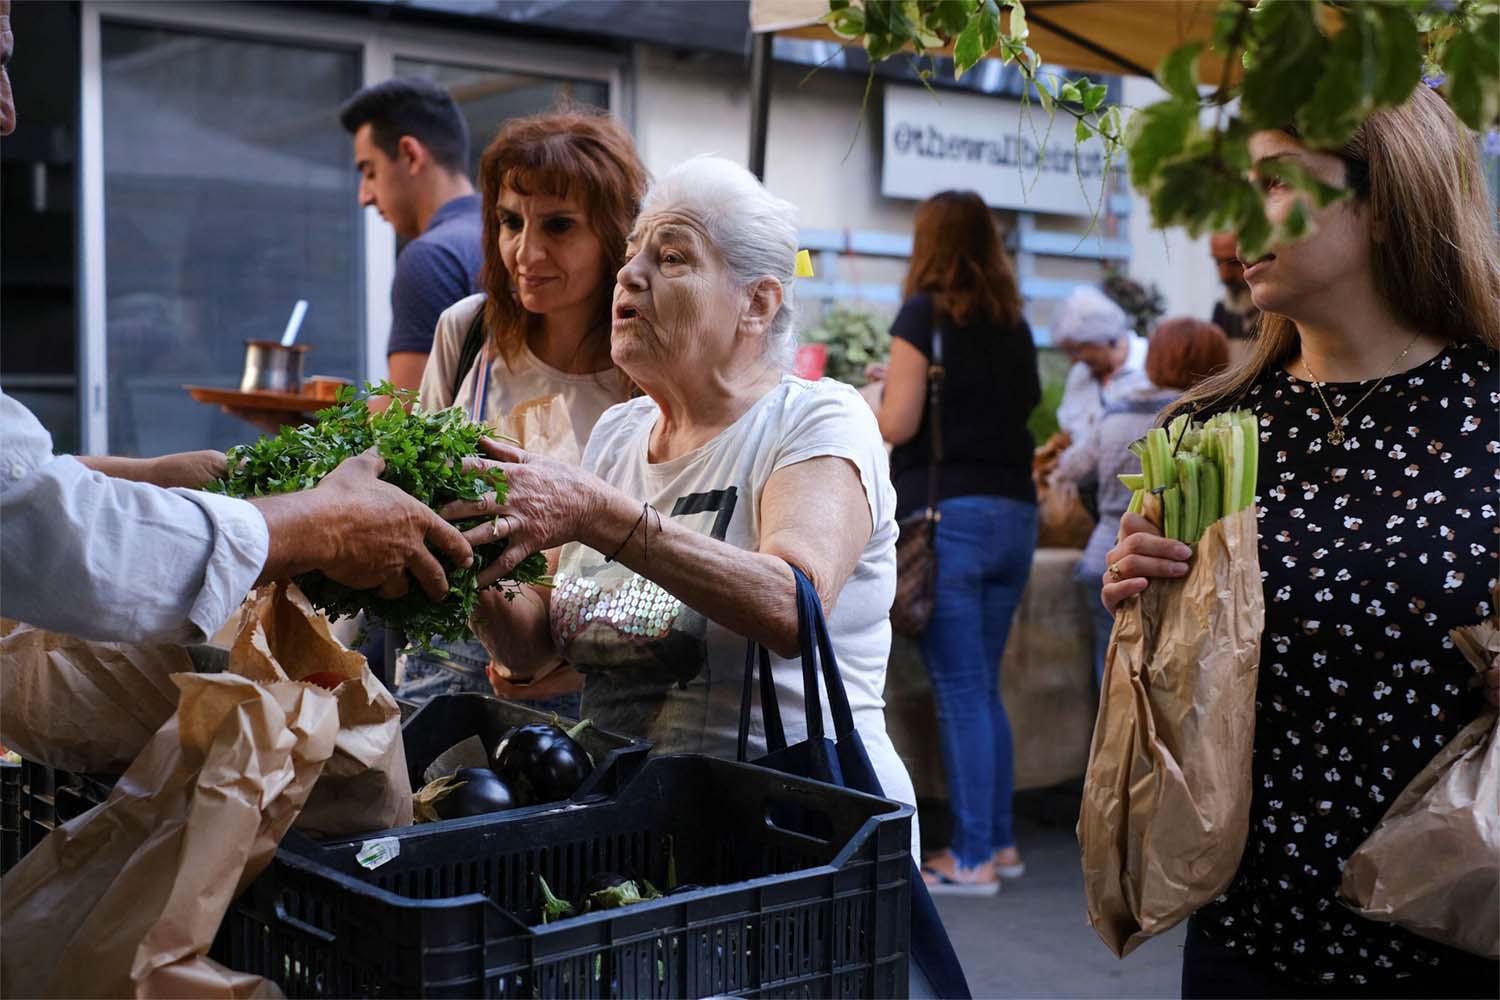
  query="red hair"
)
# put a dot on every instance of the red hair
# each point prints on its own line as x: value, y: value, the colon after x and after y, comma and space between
x: 1184, y: 352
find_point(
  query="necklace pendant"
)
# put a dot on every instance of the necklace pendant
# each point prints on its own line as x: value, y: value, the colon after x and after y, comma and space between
x: 1336, y: 436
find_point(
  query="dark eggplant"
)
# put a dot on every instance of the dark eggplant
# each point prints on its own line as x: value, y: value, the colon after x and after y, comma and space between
x: 476, y: 791
x: 542, y: 762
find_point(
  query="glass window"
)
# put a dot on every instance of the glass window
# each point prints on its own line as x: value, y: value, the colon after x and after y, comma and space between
x: 489, y: 97
x: 228, y: 196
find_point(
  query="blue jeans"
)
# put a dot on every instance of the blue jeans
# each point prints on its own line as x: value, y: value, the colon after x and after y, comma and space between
x: 984, y: 550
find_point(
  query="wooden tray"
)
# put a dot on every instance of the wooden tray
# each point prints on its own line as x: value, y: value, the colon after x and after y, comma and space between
x: 279, y: 402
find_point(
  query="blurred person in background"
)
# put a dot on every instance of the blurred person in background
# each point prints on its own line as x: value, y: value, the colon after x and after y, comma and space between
x: 1235, y: 313
x: 411, y: 148
x: 961, y: 283
x: 1182, y: 353
x: 561, y: 191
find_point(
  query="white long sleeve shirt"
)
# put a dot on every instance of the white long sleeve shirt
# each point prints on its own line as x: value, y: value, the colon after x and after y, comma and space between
x: 104, y: 558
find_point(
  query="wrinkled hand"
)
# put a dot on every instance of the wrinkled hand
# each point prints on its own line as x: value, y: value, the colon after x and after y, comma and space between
x: 1141, y: 553
x: 559, y: 680
x: 380, y: 533
x: 547, y: 503
x: 190, y: 469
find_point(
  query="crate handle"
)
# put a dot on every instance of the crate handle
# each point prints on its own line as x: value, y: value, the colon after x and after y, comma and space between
x: 328, y: 937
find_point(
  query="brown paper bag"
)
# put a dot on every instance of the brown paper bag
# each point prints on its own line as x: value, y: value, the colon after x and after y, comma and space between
x: 1432, y: 864
x: 364, y: 786
x: 1166, y: 798
x: 80, y: 705
x: 125, y: 900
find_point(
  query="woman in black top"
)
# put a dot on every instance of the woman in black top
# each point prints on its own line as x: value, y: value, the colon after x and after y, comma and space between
x: 1377, y: 384
x: 961, y: 290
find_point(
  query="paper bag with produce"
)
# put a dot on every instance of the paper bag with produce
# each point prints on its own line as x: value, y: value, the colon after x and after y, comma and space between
x: 1167, y: 792
x: 83, y: 706
x: 125, y: 899
x: 365, y: 785
x: 1432, y: 864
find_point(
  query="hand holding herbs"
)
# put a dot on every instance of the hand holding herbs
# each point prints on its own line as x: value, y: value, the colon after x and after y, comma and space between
x: 423, y: 456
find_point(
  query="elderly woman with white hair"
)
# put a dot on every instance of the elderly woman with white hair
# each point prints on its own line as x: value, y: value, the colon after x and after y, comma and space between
x: 693, y: 498
x: 1109, y: 360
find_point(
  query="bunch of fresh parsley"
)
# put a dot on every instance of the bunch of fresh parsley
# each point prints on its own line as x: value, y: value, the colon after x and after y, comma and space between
x: 424, y: 455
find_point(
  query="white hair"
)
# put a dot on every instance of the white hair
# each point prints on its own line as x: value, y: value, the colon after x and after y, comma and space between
x: 754, y: 231
x: 1088, y: 316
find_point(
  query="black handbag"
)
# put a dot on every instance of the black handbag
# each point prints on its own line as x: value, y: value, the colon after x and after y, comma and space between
x: 840, y: 760
x: 916, y: 545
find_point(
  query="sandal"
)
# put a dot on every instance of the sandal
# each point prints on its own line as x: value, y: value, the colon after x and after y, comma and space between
x: 963, y: 882
x: 1011, y: 869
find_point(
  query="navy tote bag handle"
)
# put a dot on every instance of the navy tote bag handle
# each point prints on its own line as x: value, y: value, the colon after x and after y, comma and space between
x: 840, y: 760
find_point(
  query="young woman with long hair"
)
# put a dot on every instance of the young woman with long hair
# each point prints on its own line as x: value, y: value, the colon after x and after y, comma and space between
x: 560, y: 191
x: 1374, y: 376
x: 961, y: 284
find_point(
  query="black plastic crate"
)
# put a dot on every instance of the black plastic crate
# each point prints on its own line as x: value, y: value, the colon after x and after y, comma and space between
x: 451, y: 718
x: 806, y: 894
x: 36, y: 799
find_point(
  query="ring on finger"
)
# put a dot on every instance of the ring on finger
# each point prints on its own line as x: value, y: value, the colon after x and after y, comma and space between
x: 1114, y: 572
x: 495, y: 525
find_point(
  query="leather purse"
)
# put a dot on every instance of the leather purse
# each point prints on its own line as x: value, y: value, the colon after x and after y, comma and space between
x: 916, y: 546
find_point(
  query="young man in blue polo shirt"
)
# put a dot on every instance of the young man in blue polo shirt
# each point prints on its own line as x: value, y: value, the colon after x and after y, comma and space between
x: 411, y: 148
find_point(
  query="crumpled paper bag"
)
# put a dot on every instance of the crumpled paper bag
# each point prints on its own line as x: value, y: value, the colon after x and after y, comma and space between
x: 365, y: 785
x: 83, y: 706
x: 1166, y: 798
x: 125, y: 899
x: 1432, y: 864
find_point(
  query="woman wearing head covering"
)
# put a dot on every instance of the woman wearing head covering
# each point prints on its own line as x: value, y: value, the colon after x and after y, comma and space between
x: 1109, y: 360
x: 694, y: 497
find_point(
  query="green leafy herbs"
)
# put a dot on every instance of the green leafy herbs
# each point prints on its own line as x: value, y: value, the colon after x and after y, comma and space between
x: 854, y: 339
x: 424, y: 455
x: 1200, y: 471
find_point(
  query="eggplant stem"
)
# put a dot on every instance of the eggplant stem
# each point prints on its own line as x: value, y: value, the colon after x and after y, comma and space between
x: 580, y: 727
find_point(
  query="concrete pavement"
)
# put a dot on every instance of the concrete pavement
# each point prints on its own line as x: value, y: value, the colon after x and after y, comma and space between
x: 1033, y: 939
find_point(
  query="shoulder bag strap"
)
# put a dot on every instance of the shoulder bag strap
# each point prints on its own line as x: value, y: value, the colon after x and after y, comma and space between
x: 935, y: 373
x: 473, y: 344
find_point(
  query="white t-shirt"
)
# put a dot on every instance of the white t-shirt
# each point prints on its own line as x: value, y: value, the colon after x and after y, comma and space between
x: 659, y: 669
x: 492, y: 388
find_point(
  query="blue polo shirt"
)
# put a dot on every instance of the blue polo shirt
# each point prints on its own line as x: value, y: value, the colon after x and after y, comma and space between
x: 434, y: 271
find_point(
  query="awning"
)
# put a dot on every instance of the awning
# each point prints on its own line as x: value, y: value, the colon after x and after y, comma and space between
x: 1091, y: 36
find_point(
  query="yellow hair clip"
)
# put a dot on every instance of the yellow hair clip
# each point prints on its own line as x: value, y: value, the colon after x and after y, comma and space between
x: 804, y: 264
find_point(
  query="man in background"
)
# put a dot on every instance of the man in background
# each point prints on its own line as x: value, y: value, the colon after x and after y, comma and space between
x: 1235, y: 314
x: 411, y: 148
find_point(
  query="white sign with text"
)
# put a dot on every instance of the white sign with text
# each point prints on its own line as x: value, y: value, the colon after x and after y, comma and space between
x: 989, y: 145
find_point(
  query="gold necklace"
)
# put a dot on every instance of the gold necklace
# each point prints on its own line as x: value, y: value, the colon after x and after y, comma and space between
x: 1337, y: 435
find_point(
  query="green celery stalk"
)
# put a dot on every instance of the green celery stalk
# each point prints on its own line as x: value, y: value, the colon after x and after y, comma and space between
x: 1234, y: 468
x: 1137, y: 500
x: 1210, y: 496
x: 1132, y: 482
x: 1251, y: 428
x: 1187, y: 477
x: 1164, y: 473
x: 1171, y: 507
x: 1148, y: 474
